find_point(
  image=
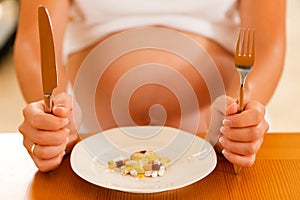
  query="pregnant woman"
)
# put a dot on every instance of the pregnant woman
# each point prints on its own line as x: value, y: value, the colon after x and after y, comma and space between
x: 106, y: 26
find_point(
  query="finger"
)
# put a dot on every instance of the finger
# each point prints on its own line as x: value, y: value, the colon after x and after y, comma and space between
x: 62, y: 105
x: 48, y: 152
x: 49, y: 164
x: 225, y: 105
x: 241, y: 148
x: 252, y: 115
x: 44, y: 137
x: 246, y: 134
x: 239, y: 160
x: 44, y: 151
x: 232, y: 108
x: 246, y: 118
x: 43, y: 121
x: 50, y: 137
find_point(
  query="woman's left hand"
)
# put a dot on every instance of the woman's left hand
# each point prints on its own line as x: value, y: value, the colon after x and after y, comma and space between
x: 242, y: 133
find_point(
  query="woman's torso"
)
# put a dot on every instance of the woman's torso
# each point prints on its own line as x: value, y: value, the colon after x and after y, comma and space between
x: 142, y: 99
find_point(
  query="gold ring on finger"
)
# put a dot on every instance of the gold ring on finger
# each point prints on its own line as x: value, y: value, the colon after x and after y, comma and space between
x: 32, y: 148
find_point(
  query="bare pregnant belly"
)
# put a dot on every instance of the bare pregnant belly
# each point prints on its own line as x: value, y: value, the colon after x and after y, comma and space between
x: 157, y: 86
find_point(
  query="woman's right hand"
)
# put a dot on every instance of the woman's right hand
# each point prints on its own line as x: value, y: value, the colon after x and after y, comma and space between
x: 48, y: 137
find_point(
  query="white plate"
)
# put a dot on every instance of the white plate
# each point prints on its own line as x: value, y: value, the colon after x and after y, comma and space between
x: 184, y: 171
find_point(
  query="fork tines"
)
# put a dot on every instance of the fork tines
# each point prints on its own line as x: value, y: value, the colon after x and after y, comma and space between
x: 245, y: 49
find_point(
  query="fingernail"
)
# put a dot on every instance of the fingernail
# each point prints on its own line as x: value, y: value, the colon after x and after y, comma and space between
x: 222, y: 129
x: 67, y: 130
x: 225, y: 153
x: 67, y: 140
x: 231, y: 106
x: 222, y: 141
x: 227, y: 122
x: 60, y: 107
x: 65, y: 121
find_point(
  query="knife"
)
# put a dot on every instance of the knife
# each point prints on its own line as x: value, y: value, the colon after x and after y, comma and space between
x: 48, y: 61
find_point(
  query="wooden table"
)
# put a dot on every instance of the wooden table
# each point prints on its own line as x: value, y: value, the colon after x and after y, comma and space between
x: 275, y: 175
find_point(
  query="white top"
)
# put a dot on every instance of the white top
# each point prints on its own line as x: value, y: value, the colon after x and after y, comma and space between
x: 94, y: 19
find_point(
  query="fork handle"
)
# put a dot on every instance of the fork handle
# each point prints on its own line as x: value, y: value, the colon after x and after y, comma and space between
x: 237, y: 169
x: 241, y: 101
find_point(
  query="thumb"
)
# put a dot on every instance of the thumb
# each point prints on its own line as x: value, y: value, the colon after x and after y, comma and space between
x: 225, y: 105
x: 255, y: 105
x: 62, y: 105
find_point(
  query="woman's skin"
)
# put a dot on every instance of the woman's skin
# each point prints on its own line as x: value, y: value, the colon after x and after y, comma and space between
x: 241, y: 133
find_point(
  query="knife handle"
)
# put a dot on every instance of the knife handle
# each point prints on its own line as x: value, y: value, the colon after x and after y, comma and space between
x: 48, y: 103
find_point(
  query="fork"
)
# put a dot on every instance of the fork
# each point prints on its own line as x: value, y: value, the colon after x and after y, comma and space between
x: 244, y: 60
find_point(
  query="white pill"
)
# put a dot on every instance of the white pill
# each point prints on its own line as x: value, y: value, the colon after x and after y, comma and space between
x: 154, y: 174
x: 148, y: 173
x: 133, y: 172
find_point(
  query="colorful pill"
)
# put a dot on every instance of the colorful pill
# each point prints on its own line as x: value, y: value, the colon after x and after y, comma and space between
x: 119, y: 163
x: 155, y: 167
x: 112, y: 164
x: 141, y: 164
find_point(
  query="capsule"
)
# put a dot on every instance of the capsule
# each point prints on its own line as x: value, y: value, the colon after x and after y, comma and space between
x: 155, y: 167
x: 133, y: 172
x: 148, y: 173
x: 119, y: 163
x: 125, y: 170
x: 161, y: 171
x: 130, y: 162
x: 154, y: 174
x: 165, y: 161
x: 111, y: 164
x: 137, y: 156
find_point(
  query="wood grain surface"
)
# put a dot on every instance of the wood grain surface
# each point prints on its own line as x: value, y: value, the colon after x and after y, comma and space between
x: 275, y: 175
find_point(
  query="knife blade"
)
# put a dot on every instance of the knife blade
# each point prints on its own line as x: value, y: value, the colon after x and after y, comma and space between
x: 48, y: 60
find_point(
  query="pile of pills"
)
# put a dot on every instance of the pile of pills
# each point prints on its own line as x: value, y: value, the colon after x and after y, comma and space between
x: 141, y: 164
